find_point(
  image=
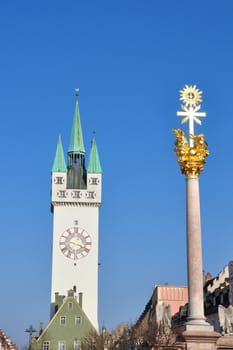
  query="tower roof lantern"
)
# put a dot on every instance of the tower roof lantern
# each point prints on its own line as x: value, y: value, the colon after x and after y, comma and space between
x: 59, y: 164
x: 76, y: 138
x: 94, y: 166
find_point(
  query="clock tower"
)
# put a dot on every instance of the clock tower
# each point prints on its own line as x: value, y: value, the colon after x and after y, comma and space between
x: 75, y: 203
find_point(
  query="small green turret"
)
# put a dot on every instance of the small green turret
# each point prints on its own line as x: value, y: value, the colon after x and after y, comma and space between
x: 59, y: 164
x: 94, y: 166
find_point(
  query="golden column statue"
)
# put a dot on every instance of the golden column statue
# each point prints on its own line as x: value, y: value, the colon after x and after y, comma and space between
x: 191, y: 154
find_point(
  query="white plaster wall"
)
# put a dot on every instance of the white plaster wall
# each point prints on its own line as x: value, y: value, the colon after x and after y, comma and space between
x: 84, y: 275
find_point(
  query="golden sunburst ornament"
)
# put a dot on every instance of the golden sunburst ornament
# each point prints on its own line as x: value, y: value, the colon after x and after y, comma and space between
x: 190, y: 95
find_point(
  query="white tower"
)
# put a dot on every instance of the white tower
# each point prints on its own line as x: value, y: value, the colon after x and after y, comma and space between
x: 75, y: 203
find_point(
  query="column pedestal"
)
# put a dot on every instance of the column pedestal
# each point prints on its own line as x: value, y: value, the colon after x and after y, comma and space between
x: 199, y: 340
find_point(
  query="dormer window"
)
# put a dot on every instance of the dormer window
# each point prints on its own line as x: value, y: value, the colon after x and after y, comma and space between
x: 61, y: 345
x: 46, y: 345
x: 77, y: 345
x: 62, y: 320
x: 77, y: 320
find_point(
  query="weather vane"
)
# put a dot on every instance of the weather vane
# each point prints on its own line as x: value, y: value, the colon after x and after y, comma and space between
x: 76, y: 91
x: 191, y: 99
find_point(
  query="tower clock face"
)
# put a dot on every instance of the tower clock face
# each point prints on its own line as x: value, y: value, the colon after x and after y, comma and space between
x: 75, y: 243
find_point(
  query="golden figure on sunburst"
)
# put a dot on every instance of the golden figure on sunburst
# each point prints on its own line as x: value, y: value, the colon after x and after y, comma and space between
x: 190, y: 95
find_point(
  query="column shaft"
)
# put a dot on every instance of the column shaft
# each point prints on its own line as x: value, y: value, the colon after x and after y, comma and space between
x: 194, y: 252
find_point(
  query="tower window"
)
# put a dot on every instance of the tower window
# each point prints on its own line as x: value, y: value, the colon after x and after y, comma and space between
x: 94, y: 181
x: 77, y: 320
x: 76, y: 194
x: 46, y: 345
x: 77, y: 345
x: 59, y: 180
x: 61, y: 345
x: 90, y: 195
x: 62, y: 194
x: 70, y: 306
x: 63, y: 320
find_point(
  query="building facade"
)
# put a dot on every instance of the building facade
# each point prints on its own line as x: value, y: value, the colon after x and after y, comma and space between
x: 164, y: 303
x: 218, y: 291
x: 175, y: 296
x: 6, y: 342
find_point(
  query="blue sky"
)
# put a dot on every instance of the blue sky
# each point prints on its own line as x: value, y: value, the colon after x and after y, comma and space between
x: 130, y: 59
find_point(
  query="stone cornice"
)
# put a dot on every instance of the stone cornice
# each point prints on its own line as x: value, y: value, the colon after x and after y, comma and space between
x: 75, y: 204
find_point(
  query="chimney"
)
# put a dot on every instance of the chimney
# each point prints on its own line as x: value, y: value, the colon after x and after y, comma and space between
x: 41, y: 327
x: 70, y: 293
x: 80, y: 299
x: 58, y: 300
x: 208, y: 276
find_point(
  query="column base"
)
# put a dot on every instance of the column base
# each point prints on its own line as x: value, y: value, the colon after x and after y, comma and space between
x: 199, y: 340
x: 198, y: 324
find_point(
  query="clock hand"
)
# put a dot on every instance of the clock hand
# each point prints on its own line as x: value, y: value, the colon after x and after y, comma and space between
x: 78, y: 244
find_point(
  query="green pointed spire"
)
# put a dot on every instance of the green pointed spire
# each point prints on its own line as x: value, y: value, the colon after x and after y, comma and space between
x: 59, y: 164
x: 94, y: 162
x: 76, y: 138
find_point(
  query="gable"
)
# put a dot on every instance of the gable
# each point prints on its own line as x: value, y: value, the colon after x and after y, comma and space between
x: 69, y: 324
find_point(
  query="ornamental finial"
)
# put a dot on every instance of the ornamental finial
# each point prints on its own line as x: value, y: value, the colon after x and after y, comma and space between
x: 191, y: 98
x: 191, y: 155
